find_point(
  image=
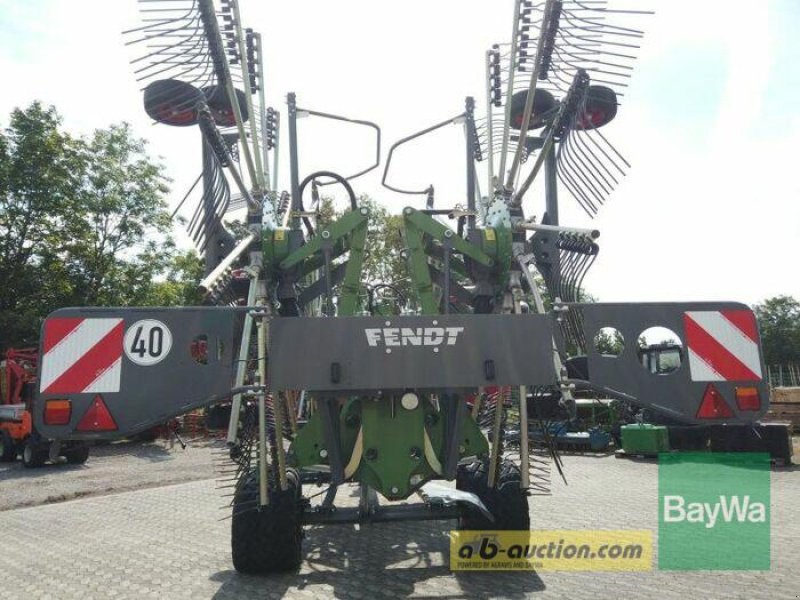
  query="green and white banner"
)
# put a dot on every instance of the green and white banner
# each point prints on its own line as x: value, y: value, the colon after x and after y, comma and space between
x: 714, y: 511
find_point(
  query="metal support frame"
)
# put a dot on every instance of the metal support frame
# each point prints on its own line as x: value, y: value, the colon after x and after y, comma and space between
x: 348, y: 233
x: 551, y: 206
x: 489, y: 132
x: 276, y: 153
x: 263, y: 454
x: 368, y: 503
x: 260, y: 181
x: 469, y: 124
x: 327, y: 407
x: 370, y: 124
x: 383, y: 514
x: 526, y: 115
x: 456, y: 411
x: 215, y: 39
x: 219, y: 270
x: 294, y: 165
x: 241, y: 365
x: 509, y: 90
x: 268, y: 184
x: 417, y: 224
x: 429, y: 190
x: 551, y: 187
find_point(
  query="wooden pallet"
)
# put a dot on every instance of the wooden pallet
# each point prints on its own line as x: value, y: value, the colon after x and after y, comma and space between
x: 784, y: 407
x: 785, y: 395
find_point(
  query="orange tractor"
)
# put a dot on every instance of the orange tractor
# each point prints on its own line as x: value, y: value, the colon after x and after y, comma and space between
x: 17, y: 434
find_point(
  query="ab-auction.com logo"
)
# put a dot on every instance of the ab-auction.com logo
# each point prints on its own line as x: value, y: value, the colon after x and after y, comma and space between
x: 551, y: 550
x: 714, y: 511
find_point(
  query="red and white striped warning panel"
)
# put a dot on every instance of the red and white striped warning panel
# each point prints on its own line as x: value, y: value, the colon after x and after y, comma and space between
x: 81, y: 356
x: 722, y: 345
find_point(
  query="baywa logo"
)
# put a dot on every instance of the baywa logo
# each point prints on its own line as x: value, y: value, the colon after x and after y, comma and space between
x: 729, y: 509
x: 714, y: 511
x: 416, y: 336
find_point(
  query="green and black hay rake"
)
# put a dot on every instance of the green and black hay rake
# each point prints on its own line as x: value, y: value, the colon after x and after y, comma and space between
x: 329, y: 387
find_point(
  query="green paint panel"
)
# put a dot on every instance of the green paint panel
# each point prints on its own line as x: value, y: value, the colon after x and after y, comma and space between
x: 439, y: 232
x: 393, y: 447
x: 337, y: 230
x: 393, y: 443
x: 418, y: 270
x: 310, y: 440
x: 276, y: 246
x: 351, y: 286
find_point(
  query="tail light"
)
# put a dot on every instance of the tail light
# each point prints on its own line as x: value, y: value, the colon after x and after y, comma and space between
x: 748, y: 398
x: 57, y: 412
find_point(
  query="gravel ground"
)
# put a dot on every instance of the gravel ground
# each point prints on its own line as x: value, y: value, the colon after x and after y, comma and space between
x: 111, y: 468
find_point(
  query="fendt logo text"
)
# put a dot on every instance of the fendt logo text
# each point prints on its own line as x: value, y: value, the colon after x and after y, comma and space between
x: 418, y: 336
x: 729, y: 509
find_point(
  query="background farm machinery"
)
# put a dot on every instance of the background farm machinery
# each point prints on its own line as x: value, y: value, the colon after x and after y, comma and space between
x: 18, y: 436
x: 336, y: 379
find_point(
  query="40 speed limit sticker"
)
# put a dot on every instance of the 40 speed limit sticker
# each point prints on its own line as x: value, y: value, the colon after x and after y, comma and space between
x: 147, y: 342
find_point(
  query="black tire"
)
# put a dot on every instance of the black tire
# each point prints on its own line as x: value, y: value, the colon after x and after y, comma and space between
x: 267, y: 539
x: 8, y: 449
x: 77, y: 456
x: 508, y: 502
x: 33, y: 455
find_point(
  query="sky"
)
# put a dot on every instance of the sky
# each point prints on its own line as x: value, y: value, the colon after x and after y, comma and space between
x: 709, y: 211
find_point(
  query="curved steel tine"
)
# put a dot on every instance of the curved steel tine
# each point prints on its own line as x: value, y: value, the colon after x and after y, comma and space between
x: 565, y: 177
x: 595, y: 162
x: 579, y: 174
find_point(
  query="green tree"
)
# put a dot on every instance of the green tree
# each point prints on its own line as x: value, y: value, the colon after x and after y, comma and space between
x: 120, y: 234
x: 178, y: 286
x: 609, y: 341
x: 82, y: 222
x: 40, y: 178
x: 779, y: 323
x: 383, y: 261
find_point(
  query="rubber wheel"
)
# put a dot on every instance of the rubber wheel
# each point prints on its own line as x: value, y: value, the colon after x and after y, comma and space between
x: 508, y: 502
x: 8, y: 450
x: 77, y: 456
x: 32, y: 456
x: 267, y: 539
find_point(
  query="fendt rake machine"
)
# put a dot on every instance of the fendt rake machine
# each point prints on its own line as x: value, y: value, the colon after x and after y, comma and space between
x: 328, y: 386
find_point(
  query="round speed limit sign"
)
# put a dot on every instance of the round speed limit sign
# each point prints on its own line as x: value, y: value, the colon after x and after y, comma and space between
x: 147, y: 342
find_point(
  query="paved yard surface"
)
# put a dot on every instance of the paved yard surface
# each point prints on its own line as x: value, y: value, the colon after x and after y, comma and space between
x: 111, y: 468
x: 173, y: 542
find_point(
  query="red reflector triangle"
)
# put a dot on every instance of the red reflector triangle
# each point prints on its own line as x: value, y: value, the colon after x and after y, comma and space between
x: 713, y: 405
x: 97, y: 418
